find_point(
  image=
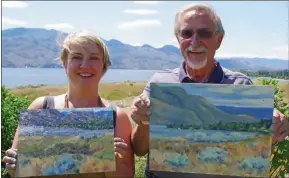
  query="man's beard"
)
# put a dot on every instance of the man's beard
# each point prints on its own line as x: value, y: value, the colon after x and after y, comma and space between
x: 194, y: 61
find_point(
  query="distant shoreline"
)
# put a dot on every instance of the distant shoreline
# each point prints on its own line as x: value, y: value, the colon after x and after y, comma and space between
x: 18, y: 77
x: 64, y: 85
x: 63, y: 68
x: 138, y: 82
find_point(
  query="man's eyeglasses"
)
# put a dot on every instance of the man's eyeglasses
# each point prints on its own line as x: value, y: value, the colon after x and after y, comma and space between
x: 202, y: 33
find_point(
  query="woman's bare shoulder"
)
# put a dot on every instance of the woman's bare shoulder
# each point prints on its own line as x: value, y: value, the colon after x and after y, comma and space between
x: 38, y: 102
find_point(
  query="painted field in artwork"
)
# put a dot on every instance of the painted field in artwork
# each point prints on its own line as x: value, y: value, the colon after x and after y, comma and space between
x: 68, y: 141
x: 211, y: 129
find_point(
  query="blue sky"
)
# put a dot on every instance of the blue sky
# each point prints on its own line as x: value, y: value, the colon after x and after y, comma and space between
x: 253, y: 29
x: 231, y: 95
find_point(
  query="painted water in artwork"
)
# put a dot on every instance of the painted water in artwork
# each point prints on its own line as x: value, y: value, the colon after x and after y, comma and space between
x: 211, y: 129
x: 65, y: 141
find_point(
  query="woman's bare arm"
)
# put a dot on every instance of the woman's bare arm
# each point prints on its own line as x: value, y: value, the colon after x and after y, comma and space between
x: 125, y: 165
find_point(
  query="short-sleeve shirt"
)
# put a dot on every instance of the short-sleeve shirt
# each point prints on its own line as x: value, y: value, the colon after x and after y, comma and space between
x: 220, y: 75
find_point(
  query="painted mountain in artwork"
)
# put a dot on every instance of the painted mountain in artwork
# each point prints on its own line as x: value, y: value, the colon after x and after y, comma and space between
x: 173, y: 102
x: 77, y: 117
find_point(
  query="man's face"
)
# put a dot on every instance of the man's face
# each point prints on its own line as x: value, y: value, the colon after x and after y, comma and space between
x: 198, y: 39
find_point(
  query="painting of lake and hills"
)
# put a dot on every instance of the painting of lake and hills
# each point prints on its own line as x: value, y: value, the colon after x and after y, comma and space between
x: 65, y: 141
x: 211, y: 129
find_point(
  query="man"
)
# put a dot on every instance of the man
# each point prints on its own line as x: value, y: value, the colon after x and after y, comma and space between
x: 199, y: 32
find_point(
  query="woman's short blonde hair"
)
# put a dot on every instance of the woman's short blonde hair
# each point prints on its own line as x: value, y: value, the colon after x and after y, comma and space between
x: 82, y: 38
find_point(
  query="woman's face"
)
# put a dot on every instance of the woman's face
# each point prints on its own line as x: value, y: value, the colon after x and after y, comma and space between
x: 84, y: 66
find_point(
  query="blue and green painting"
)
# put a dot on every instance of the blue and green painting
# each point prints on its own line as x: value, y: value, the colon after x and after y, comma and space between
x: 211, y: 129
x: 65, y: 141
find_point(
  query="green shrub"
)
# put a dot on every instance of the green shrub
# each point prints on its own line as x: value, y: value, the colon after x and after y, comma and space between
x: 4, y: 173
x: 140, y: 165
x: 280, y: 154
x: 11, y: 105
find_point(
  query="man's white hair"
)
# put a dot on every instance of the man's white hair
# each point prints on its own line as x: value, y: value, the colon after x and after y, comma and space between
x: 198, y: 7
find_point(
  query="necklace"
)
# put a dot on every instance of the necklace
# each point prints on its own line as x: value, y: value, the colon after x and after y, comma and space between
x: 66, y: 104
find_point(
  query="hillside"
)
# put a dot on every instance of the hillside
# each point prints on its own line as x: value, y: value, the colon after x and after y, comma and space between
x: 82, y: 118
x: 175, y: 106
x: 36, y: 47
x: 251, y: 111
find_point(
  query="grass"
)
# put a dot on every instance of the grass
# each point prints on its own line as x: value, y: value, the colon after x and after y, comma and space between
x: 285, y: 87
x: 177, y: 154
x: 118, y: 93
x: 39, y: 149
x: 108, y: 91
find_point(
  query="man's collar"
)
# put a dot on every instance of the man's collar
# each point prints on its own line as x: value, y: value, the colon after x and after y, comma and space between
x: 216, y: 77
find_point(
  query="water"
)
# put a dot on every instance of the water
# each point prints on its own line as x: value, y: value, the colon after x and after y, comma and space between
x: 13, y: 77
x: 205, y: 136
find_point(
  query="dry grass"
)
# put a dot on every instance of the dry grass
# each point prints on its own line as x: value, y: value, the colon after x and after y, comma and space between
x: 285, y: 87
x: 109, y: 91
x: 236, y: 153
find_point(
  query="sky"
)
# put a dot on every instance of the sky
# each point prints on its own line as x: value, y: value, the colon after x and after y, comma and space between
x: 253, y: 29
x: 231, y: 95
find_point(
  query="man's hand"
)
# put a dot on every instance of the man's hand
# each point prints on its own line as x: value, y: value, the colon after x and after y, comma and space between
x: 141, y: 110
x: 280, y: 127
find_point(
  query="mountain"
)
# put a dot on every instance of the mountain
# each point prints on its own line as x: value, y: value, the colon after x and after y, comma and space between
x: 258, y: 113
x: 54, y: 117
x: 36, y: 47
x: 175, y: 106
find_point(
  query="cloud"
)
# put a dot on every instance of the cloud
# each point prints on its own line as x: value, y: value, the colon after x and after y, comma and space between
x: 141, y: 12
x: 139, y: 24
x: 277, y: 55
x: 14, y: 4
x: 137, y: 44
x: 59, y: 26
x: 281, y: 52
x: 281, y: 48
x: 275, y: 52
x: 175, y: 42
x: 148, y: 2
x: 10, y: 21
x: 229, y: 55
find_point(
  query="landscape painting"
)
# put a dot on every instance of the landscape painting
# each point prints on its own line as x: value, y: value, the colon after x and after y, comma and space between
x: 211, y: 129
x: 65, y: 141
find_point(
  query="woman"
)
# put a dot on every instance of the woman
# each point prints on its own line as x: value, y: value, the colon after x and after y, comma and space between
x: 85, y: 59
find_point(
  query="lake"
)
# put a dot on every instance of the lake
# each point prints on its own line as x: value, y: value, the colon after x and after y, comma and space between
x: 13, y: 77
x: 203, y: 136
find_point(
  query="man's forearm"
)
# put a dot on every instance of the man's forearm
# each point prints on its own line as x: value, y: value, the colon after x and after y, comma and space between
x: 140, y: 139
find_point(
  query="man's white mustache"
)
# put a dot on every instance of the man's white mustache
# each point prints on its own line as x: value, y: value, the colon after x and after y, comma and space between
x: 197, y: 50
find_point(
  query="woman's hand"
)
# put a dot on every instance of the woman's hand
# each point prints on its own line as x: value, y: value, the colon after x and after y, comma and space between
x: 120, y: 147
x: 10, y: 160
